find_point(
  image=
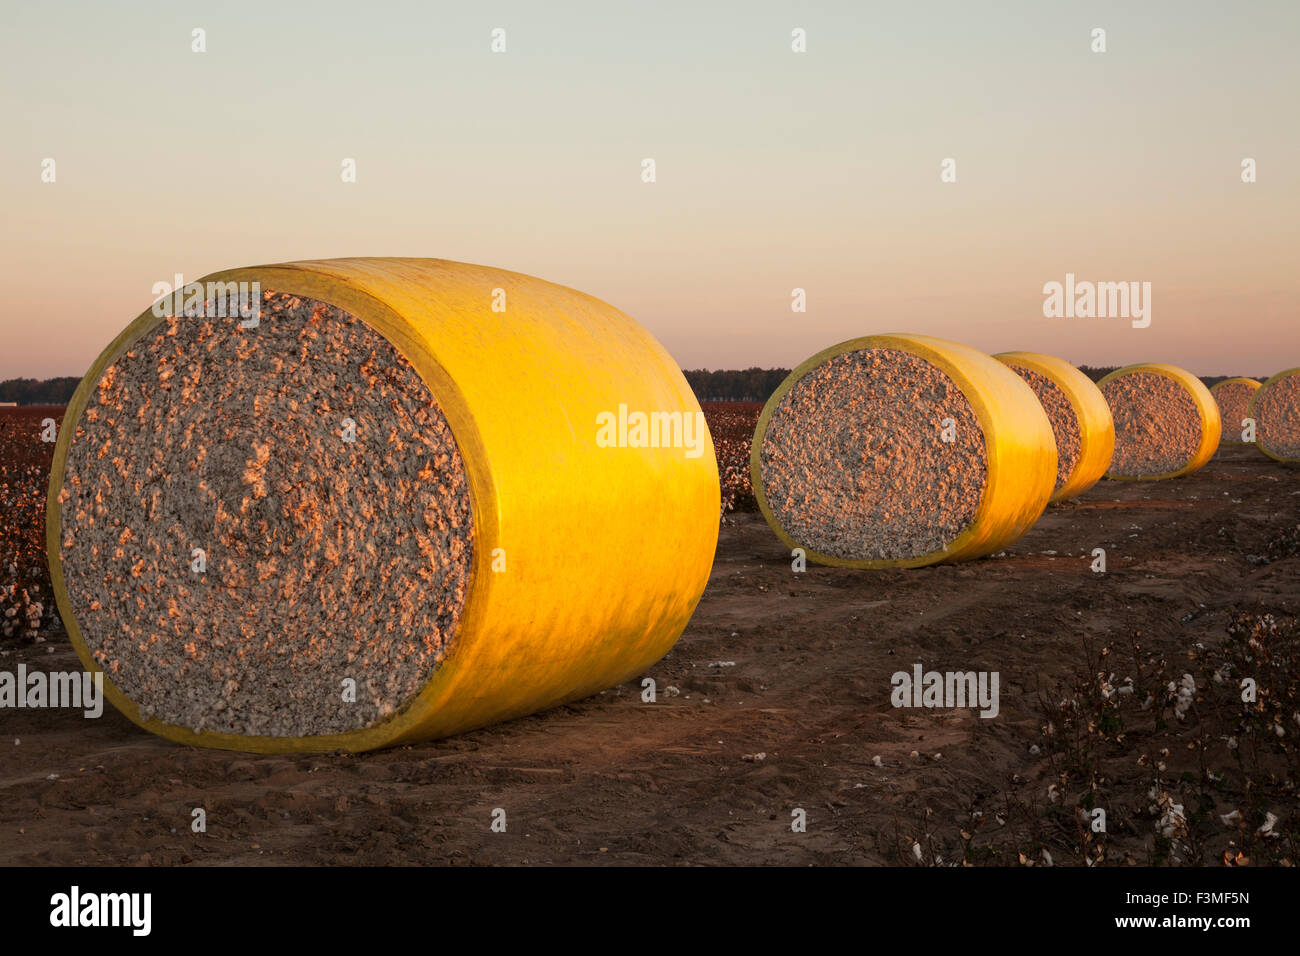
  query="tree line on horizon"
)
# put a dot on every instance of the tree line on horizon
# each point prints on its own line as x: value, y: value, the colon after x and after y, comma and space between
x: 710, y: 385
x: 32, y: 391
x: 734, y: 385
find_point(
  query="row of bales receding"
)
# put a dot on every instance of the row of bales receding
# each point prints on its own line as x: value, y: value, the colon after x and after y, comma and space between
x: 332, y: 521
x: 907, y: 450
x: 1266, y: 415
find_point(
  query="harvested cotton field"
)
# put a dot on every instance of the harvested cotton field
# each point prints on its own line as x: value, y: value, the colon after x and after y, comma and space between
x: 305, y: 532
x: 1166, y: 421
x: 872, y: 453
x: 26, y: 599
x: 1276, y: 410
x: 800, y: 717
x: 732, y: 426
x: 1233, y: 397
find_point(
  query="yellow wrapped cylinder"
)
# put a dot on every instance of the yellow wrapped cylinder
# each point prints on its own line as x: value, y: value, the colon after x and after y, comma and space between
x: 1231, y: 431
x: 1288, y: 380
x: 1207, y: 410
x: 587, y: 561
x: 1020, y: 450
x: 1096, y: 427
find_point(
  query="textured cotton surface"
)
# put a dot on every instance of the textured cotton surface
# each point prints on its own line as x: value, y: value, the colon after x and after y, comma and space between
x: 327, y: 561
x: 1157, y: 424
x: 1064, y: 419
x: 1277, y: 414
x: 854, y: 464
x: 1234, y: 405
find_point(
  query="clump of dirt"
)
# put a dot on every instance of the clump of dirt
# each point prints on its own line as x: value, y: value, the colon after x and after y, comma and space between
x: 253, y: 518
x: 856, y: 461
x: 1277, y: 417
x: 1157, y: 424
x: 1064, y: 419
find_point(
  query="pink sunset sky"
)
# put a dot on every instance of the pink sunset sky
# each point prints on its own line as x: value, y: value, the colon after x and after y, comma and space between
x: 775, y: 170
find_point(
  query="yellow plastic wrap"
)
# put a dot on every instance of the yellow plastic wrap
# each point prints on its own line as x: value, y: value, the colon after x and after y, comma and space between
x: 1020, y: 447
x: 1206, y: 407
x: 1096, y: 426
x: 1254, y: 401
x: 1232, y: 428
x: 607, y: 550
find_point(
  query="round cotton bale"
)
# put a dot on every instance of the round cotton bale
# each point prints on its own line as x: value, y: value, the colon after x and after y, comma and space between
x: 378, y: 512
x: 901, y: 451
x: 1166, y: 422
x: 1276, y: 411
x: 1081, y: 419
x: 1233, y: 396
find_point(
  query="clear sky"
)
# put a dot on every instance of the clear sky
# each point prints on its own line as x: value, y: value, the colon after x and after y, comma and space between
x: 775, y: 169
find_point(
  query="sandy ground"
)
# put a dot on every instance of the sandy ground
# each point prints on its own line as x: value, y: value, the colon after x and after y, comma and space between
x: 615, y: 780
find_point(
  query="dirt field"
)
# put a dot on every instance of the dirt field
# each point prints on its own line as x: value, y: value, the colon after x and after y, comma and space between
x: 780, y: 700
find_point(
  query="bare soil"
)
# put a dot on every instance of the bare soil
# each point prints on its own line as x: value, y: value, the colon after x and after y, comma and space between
x: 782, y: 702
